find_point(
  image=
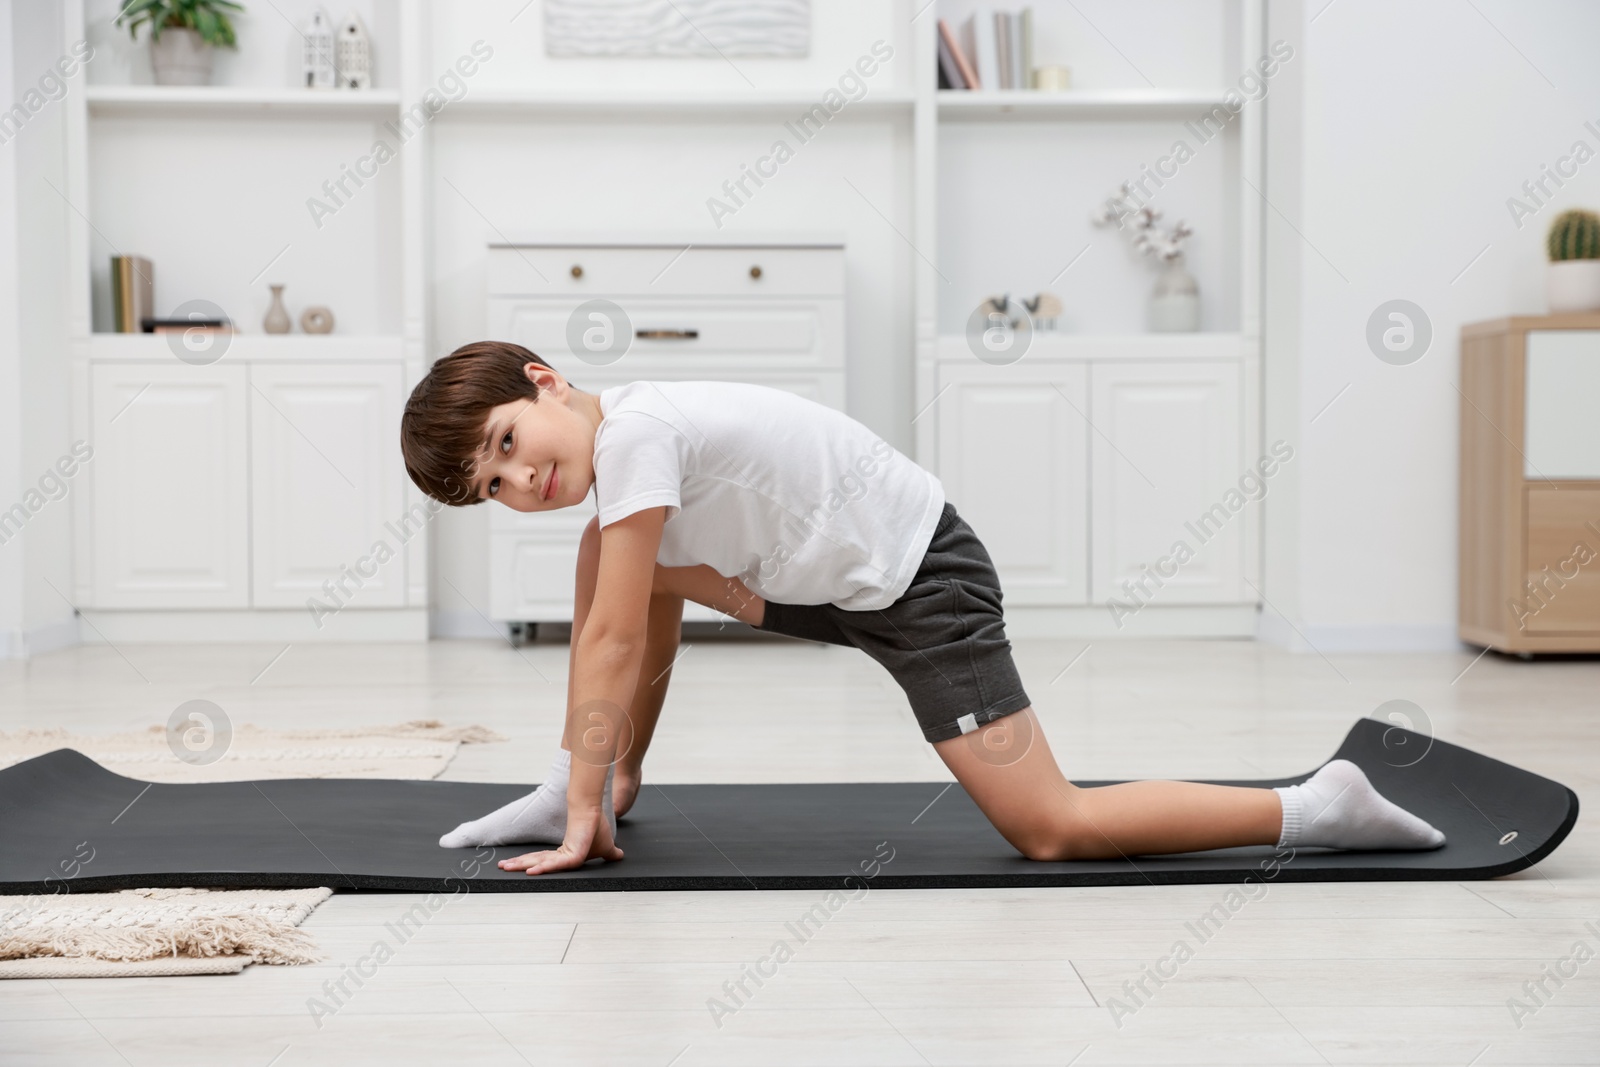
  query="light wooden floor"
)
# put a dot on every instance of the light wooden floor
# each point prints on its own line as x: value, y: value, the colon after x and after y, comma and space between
x: 1401, y: 973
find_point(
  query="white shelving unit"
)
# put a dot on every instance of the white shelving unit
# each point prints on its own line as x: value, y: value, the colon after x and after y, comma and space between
x: 171, y: 100
x: 228, y: 493
x: 960, y: 105
x: 1041, y: 453
x: 536, y: 143
x: 598, y: 103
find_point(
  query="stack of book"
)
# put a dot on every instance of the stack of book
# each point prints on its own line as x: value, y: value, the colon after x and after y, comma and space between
x: 991, y: 50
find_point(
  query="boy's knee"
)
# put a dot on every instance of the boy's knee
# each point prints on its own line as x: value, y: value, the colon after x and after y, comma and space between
x: 1056, y: 839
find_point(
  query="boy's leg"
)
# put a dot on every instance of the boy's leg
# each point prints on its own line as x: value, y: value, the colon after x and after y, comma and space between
x: 1009, y: 771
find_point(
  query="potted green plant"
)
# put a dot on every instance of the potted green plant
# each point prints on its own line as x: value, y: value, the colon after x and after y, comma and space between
x: 1573, y: 281
x: 182, y: 35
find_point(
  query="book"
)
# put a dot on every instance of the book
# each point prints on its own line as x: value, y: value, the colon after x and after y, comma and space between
x: 1027, y: 48
x: 949, y: 73
x: 977, y: 38
x: 1002, y: 48
x: 132, y: 292
x: 180, y: 325
x: 966, y: 77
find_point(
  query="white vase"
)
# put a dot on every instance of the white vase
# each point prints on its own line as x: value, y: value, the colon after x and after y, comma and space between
x: 180, y: 57
x: 1175, y: 301
x: 1573, y: 285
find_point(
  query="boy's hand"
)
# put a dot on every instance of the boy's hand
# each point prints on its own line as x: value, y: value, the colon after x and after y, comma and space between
x: 588, y: 837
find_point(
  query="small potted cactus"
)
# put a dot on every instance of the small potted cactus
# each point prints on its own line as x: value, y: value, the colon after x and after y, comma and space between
x: 1573, y: 281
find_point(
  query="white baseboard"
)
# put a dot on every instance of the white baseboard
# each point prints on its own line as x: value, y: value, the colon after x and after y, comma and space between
x: 1351, y: 638
x: 463, y: 624
x: 58, y: 635
x: 1383, y: 637
x: 246, y: 626
x: 19, y: 644
x: 1153, y: 621
x: 1273, y: 629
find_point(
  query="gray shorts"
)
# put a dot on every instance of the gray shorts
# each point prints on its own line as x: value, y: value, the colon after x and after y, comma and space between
x: 944, y: 640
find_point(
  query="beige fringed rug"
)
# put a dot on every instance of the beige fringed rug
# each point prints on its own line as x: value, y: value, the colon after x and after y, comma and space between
x: 422, y: 748
x: 151, y: 932
x: 158, y: 932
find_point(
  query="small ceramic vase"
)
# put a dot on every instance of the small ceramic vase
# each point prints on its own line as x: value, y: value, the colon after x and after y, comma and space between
x: 277, y: 320
x: 1175, y: 301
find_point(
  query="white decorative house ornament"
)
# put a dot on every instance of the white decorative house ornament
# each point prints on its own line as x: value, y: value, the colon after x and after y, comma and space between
x: 677, y: 28
x: 317, y: 61
x: 354, y: 54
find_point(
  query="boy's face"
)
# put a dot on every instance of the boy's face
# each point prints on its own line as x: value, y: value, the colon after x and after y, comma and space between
x: 538, y: 455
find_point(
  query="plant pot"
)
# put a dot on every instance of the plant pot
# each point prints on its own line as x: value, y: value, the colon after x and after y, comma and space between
x: 180, y: 57
x: 1175, y: 301
x: 1573, y: 285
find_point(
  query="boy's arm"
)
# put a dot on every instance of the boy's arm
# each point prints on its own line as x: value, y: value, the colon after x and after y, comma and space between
x: 604, y: 675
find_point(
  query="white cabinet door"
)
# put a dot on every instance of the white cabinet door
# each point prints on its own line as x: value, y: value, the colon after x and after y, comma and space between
x: 325, y: 447
x: 1013, y: 459
x: 1166, y: 462
x: 170, y: 498
x: 1563, y: 435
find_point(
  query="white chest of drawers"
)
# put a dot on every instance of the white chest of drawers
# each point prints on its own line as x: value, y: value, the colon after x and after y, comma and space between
x: 605, y: 313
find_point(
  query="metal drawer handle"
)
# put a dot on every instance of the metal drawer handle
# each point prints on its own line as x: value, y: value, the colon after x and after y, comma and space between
x: 577, y: 271
x: 666, y: 335
x: 755, y: 272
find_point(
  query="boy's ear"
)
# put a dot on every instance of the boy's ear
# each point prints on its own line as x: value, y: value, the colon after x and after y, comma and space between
x: 542, y: 376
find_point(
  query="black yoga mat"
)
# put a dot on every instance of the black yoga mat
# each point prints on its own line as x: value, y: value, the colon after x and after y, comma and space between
x: 68, y: 823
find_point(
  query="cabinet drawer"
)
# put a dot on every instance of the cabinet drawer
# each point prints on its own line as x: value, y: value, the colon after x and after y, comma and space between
x: 1563, y: 563
x: 531, y: 577
x: 664, y: 333
x: 545, y: 270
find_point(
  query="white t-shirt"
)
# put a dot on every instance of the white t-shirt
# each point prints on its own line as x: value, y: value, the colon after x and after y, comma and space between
x: 802, y: 503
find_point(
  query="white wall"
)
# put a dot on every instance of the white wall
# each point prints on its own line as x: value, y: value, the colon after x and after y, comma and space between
x: 11, y: 553
x: 33, y: 365
x: 42, y: 321
x: 1419, y: 120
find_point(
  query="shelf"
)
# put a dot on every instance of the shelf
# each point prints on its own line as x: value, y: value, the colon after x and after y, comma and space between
x: 257, y: 347
x: 554, y: 103
x: 1058, y: 345
x: 215, y: 100
x: 964, y: 105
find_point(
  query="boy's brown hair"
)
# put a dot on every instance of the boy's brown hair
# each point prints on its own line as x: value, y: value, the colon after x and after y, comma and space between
x: 441, y: 430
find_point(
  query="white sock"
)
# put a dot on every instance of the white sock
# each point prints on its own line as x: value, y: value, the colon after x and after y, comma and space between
x: 540, y: 818
x: 1338, y: 808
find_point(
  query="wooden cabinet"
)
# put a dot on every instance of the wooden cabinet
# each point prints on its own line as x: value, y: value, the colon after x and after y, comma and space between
x: 1530, y: 484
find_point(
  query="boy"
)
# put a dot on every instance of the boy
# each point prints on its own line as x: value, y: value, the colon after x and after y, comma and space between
x: 796, y: 519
